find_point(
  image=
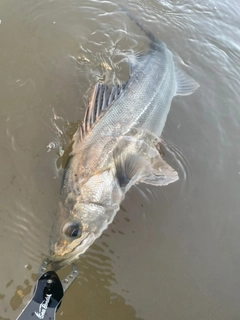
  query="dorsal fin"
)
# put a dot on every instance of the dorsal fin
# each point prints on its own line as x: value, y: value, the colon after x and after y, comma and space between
x: 102, y: 98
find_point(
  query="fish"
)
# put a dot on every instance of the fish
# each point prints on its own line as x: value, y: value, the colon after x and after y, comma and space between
x: 116, y: 146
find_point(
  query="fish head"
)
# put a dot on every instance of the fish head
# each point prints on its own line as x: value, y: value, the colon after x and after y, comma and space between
x: 75, y: 234
x: 68, y: 242
x: 77, y: 227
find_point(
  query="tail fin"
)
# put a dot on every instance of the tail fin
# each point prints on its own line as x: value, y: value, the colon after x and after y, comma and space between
x: 150, y: 36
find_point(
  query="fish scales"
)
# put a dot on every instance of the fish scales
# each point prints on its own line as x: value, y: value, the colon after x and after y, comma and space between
x: 116, y: 146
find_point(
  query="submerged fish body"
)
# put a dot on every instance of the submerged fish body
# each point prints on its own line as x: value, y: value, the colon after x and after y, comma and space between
x: 116, y: 146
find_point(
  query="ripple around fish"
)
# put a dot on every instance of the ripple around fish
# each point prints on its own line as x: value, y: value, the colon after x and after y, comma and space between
x: 25, y: 229
x: 102, y: 61
x: 175, y: 158
x: 96, y: 264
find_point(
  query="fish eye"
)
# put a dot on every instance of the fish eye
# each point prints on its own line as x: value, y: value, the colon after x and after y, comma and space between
x: 72, y: 229
x: 75, y: 233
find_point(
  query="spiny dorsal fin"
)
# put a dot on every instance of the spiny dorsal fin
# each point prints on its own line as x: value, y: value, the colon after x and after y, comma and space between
x: 102, y: 98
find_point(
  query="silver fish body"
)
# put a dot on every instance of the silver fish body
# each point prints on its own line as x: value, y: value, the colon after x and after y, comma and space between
x: 115, y: 150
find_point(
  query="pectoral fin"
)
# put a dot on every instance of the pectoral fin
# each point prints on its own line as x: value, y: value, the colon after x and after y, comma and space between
x: 128, y: 166
x: 138, y: 161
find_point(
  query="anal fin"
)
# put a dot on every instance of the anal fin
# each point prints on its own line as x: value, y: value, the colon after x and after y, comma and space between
x: 185, y: 84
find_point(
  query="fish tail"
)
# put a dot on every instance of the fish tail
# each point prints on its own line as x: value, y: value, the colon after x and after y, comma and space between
x: 147, y: 32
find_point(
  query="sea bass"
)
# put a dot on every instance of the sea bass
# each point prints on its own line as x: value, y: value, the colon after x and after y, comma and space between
x: 115, y: 147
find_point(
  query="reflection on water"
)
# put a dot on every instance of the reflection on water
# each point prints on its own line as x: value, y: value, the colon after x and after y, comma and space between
x: 20, y: 293
x: 92, y: 289
x: 171, y: 253
x: 94, y: 295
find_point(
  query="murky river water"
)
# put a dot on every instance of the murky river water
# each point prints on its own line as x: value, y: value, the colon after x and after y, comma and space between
x: 172, y: 252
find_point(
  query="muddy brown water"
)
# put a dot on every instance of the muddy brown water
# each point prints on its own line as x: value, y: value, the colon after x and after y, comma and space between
x: 171, y: 252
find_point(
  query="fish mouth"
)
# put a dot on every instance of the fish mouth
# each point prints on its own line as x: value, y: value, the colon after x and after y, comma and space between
x: 58, y: 262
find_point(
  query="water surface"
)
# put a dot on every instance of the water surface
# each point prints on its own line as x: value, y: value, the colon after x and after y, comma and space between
x: 171, y: 252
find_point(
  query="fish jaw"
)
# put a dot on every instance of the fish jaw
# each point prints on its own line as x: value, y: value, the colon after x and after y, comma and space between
x: 93, y: 219
x: 62, y: 255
